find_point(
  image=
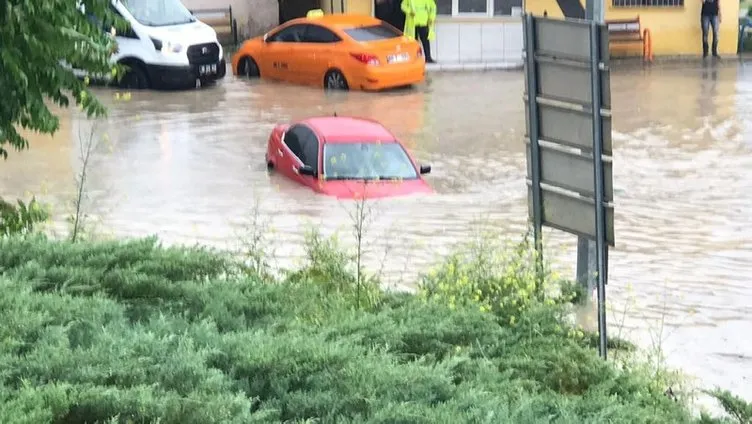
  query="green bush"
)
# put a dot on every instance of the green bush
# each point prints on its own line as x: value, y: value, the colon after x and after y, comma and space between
x: 21, y: 218
x: 495, y: 277
x: 132, y: 332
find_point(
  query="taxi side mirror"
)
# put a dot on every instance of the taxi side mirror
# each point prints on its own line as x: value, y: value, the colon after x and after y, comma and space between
x: 425, y: 169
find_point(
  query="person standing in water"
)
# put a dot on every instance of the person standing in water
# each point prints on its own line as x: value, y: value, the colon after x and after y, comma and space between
x: 419, y: 23
x: 710, y: 17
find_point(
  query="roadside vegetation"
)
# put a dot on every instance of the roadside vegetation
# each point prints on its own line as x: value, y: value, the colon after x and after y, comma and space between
x: 130, y: 331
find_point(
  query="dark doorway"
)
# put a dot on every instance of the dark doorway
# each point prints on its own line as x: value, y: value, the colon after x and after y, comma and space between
x: 291, y: 9
x: 390, y: 11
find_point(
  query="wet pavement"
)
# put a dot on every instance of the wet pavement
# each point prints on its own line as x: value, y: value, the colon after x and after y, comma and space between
x: 189, y: 166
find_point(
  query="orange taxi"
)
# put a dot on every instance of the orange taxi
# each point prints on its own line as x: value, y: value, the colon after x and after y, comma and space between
x: 338, y: 51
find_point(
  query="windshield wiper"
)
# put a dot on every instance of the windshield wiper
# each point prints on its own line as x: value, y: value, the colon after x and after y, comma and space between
x: 175, y: 23
x: 344, y: 177
x: 388, y: 178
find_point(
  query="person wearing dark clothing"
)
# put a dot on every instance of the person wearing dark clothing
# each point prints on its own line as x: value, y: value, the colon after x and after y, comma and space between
x: 383, y: 10
x: 710, y: 17
x: 390, y: 12
x: 398, y: 16
x: 421, y: 32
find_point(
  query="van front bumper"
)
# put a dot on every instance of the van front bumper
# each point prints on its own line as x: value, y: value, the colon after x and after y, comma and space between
x: 170, y: 76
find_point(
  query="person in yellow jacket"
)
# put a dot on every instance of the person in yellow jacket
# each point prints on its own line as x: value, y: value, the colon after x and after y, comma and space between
x: 420, y: 17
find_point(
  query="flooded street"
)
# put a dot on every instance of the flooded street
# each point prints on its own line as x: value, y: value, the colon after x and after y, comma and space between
x: 189, y: 167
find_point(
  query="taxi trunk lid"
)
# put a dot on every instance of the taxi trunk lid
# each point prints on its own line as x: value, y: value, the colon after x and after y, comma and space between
x: 394, y: 51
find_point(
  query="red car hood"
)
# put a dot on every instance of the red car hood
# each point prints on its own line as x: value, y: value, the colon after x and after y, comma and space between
x: 356, y: 189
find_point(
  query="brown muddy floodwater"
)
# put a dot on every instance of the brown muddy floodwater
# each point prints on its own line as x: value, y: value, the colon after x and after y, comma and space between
x: 189, y: 165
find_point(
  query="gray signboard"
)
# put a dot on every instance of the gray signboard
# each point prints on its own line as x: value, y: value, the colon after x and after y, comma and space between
x: 568, y: 141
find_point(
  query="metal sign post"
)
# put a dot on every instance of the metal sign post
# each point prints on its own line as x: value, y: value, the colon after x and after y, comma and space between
x: 567, y: 103
x: 587, y: 257
x: 534, y: 156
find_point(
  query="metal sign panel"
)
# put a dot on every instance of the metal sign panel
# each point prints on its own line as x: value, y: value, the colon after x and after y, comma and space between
x: 571, y: 213
x: 570, y: 126
x: 570, y: 171
x: 564, y: 70
x: 570, y: 82
x: 563, y: 38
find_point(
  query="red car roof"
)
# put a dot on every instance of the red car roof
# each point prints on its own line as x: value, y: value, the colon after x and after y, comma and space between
x: 344, y: 129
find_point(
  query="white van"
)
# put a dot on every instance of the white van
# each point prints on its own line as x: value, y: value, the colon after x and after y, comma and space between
x: 166, y: 46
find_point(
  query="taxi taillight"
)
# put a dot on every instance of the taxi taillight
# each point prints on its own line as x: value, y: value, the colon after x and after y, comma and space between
x: 366, y: 58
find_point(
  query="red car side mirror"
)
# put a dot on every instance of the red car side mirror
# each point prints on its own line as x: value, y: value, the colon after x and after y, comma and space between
x: 306, y: 170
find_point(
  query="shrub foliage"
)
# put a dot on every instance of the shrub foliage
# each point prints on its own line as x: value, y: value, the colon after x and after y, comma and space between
x: 118, y: 332
x: 21, y: 218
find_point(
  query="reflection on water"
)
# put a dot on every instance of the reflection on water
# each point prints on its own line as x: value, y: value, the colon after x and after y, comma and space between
x: 188, y: 166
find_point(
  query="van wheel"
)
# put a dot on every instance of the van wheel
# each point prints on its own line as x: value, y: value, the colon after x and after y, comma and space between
x: 248, y: 68
x: 335, y: 80
x: 135, y: 78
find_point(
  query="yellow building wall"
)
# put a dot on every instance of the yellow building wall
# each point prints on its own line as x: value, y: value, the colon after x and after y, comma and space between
x: 360, y: 7
x: 674, y: 31
x: 538, y: 7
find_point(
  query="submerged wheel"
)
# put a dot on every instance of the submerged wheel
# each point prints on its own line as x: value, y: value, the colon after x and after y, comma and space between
x: 135, y: 78
x: 248, y: 68
x: 335, y: 80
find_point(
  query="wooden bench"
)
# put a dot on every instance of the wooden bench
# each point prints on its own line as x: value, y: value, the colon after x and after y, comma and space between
x: 222, y: 21
x: 625, y: 31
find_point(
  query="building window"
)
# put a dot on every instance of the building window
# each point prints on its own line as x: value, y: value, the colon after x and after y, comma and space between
x: 648, y: 3
x: 507, y: 7
x: 472, y: 6
x: 444, y: 7
x: 486, y: 7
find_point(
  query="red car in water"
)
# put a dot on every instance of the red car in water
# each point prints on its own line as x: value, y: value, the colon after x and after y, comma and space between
x: 345, y: 157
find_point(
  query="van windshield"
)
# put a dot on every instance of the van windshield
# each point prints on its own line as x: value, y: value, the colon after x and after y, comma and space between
x: 159, y: 12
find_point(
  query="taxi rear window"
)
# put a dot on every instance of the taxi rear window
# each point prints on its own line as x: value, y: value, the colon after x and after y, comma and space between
x: 381, y: 31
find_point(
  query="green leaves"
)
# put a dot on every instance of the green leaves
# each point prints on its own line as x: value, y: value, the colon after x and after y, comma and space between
x: 38, y: 41
x: 133, y: 332
x: 21, y: 218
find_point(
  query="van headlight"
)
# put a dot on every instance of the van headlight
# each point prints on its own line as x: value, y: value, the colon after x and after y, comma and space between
x: 166, y: 47
x: 170, y: 47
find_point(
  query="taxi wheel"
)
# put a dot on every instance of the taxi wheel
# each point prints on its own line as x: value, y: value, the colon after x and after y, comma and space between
x: 335, y: 80
x: 248, y: 68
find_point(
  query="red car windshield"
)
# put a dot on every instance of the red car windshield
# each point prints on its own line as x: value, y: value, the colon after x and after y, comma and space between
x: 367, y: 161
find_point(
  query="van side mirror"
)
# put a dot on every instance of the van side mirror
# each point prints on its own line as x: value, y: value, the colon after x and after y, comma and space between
x: 306, y: 170
x: 425, y: 169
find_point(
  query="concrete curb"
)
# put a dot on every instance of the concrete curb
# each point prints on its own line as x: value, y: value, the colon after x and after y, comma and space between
x: 615, y: 62
x: 488, y: 66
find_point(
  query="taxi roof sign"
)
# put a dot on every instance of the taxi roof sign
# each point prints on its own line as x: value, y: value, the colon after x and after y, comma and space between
x: 315, y: 13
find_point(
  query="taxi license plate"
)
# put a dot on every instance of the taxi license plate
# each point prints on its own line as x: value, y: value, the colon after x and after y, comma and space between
x: 397, y: 58
x: 207, y: 69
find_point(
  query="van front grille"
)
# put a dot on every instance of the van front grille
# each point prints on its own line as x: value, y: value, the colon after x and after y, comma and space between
x: 201, y: 54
